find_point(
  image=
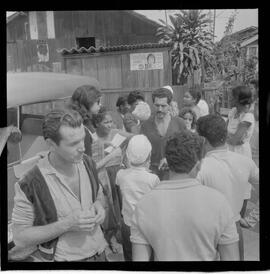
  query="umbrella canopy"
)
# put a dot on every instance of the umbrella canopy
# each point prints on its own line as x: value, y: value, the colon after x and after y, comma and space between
x: 34, y: 87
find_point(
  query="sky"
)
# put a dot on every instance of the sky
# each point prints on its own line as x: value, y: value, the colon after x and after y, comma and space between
x: 245, y: 18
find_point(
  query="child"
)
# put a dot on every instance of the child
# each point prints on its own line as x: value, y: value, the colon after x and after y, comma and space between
x: 189, y: 117
x: 134, y: 182
x: 240, y: 127
x: 251, y: 219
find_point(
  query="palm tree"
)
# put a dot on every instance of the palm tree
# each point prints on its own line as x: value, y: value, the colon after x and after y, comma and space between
x: 191, y: 42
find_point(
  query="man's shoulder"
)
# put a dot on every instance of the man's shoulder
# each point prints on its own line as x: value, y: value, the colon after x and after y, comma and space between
x: 212, y: 195
x: 149, y: 123
x: 179, y: 121
x: 238, y: 157
x: 33, y: 173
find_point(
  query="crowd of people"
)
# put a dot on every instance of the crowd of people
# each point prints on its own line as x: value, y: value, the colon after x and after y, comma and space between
x: 163, y: 185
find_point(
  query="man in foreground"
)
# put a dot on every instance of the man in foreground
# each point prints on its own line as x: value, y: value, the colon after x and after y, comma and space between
x: 226, y: 171
x: 191, y: 222
x: 57, y: 206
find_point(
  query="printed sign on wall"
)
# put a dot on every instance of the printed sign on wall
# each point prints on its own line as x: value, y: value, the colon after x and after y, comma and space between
x: 146, y: 61
x: 43, y: 52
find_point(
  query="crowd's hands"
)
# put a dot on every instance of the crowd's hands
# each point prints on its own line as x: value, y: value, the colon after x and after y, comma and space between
x: 86, y: 220
x: 163, y: 165
x: 15, y: 135
x: 81, y: 220
x: 115, y: 246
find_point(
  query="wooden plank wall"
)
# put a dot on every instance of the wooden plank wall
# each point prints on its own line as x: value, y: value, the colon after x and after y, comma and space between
x: 108, y: 27
x: 113, y: 70
x: 114, y: 74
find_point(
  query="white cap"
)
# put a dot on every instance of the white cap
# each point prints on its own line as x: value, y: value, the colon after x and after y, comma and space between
x: 142, y: 111
x: 169, y: 88
x: 138, y: 149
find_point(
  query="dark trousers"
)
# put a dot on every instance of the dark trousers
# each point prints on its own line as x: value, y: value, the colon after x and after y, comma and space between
x: 241, y: 241
x: 127, y: 246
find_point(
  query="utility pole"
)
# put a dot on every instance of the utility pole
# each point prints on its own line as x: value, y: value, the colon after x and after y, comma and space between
x: 214, y: 25
x: 166, y: 17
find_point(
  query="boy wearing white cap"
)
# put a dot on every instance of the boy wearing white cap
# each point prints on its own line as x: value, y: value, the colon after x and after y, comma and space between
x: 135, y: 181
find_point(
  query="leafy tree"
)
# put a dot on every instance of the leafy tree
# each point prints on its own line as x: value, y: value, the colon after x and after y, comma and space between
x: 227, y: 52
x: 191, y: 42
x: 249, y: 69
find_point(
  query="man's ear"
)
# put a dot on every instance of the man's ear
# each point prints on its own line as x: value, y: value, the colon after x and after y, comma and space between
x: 195, y: 170
x: 52, y: 145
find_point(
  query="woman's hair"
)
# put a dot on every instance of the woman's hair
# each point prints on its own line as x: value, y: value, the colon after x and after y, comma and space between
x: 162, y: 93
x: 213, y: 128
x: 83, y: 98
x: 254, y: 82
x: 99, y: 117
x: 186, y: 110
x: 183, y: 150
x: 121, y: 101
x: 242, y: 94
x: 134, y: 96
x: 196, y: 93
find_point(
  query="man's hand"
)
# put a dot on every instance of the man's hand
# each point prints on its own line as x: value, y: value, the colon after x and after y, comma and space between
x: 80, y: 220
x: 100, y: 213
x: 163, y: 165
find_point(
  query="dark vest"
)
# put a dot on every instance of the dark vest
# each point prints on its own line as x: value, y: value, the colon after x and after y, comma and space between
x: 37, y: 192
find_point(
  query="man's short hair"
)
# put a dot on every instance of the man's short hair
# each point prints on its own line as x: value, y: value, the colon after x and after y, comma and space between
x: 213, y: 128
x: 121, y: 101
x: 162, y: 93
x: 183, y: 150
x: 134, y: 96
x: 57, y: 118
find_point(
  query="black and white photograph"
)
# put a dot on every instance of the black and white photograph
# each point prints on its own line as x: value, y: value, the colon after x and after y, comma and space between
x: 132, y: 136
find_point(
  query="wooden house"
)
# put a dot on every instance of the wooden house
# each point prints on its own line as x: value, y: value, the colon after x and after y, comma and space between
x: 34, y: 37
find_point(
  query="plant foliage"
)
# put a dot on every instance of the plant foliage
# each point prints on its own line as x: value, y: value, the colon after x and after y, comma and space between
x: 191, y: 42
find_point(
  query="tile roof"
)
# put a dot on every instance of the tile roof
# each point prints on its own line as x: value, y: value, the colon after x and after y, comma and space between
x: 101, y: 49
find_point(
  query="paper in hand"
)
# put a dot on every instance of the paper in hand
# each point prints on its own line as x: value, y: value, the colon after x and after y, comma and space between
x: 116, y: 142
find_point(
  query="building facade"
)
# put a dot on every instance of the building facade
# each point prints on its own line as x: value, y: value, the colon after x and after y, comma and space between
x: 35, y: 37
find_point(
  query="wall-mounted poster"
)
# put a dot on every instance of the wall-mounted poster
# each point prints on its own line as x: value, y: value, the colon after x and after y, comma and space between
x: 146, y: 61
x: 43, y: 52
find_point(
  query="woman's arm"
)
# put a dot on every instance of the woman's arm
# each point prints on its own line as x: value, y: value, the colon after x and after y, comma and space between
x: 117, y: 152
x: 236, y: 138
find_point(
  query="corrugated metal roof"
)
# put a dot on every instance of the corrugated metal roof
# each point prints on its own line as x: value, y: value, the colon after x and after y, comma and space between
x: 249, y: 40
x: 15, y: 15
x: 101, y: 49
